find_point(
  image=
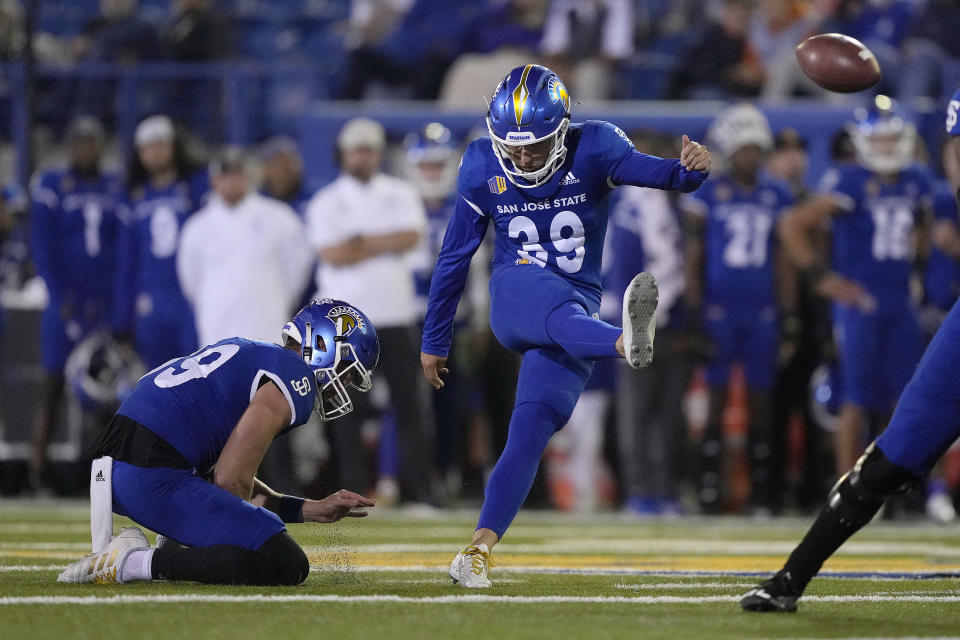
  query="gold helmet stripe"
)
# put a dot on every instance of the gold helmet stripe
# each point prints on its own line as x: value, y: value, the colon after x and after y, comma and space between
x: 520, y: 94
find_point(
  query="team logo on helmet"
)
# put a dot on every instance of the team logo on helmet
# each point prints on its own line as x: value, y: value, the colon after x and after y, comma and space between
x: 347, y: 320
x: 558, y: 92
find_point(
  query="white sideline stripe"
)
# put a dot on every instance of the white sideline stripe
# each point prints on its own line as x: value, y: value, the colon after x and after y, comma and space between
x: 592, y: 546
x: 607, y: 546
x: 609, y: 571
x: 520, y: 569
x: 45, y: 546
x: 452, y: 599
x: 45, y: 528
x: 680, y: 585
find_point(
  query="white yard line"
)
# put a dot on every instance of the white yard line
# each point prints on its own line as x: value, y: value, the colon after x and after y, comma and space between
x: 44, y: 528
x: 877, y: 576
x: 640, y: 545
x: 591, y: 546
x: 643, y: 586
x: 451, y: 599
x: 45, y: 546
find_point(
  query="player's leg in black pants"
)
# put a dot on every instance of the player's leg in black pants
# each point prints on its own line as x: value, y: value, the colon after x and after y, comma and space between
x: 346, y: 442
x: 451, y: 406
x: 45, y: 421
x: 400, y: 365
x: 650, y: 421
x: 279, y: 561
x: 760, y: 444
x: 711, y: 455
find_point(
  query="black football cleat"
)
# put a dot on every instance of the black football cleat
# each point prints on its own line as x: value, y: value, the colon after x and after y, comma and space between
x: 778, y: 594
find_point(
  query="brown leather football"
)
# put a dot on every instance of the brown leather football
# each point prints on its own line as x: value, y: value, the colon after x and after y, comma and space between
x: 838, y: 63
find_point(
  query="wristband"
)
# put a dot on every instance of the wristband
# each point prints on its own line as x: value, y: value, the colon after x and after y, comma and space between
x: 291, y: 509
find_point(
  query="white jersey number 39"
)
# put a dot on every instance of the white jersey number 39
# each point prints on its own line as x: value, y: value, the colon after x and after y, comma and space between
x: 566, y: 234
x: 192, y: 369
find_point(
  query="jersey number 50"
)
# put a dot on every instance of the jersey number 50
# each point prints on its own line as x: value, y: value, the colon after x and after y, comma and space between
x: 564, y: 222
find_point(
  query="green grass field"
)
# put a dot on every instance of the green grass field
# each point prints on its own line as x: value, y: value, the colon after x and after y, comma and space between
x: 555, y: 576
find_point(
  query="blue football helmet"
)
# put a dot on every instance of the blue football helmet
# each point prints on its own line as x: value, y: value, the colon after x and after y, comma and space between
x: 432, y: 161
x: 530, y: 105
x: 341, y: 346
x: 884, y: 140
x: 101, y: 372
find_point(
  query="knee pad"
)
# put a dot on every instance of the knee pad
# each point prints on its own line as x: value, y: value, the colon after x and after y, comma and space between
x: 288, y: 564
x: 860, y: 493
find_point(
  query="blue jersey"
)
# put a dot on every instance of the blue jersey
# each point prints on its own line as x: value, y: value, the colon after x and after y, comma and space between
x: 148, y: 245
x: 872, y: 239
x: 74, y: 230
x: 437, y: 220
x: 953, y: 115
x: 941, y: 281
x: 558, y: 226
x: 739, y: 239
x: 194, y: 402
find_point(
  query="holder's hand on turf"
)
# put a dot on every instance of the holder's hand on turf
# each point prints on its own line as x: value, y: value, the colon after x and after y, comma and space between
x: 342, y: 504
x: 433, y: 366
x: 694, y: 156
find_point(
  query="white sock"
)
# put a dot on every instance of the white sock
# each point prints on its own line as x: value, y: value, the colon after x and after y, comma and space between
x: 138, y: 565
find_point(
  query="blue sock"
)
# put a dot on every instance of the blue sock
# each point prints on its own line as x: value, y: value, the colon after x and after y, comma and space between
x: 531, y: 427
x: 581, y: 335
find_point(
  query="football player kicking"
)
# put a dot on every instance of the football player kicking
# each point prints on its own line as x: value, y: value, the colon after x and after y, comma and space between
x: 218, y: 409
x: 925, y: 423
x: 543, y: 183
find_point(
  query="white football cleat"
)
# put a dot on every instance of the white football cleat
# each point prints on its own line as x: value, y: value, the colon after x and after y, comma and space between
x: 640, y: 320
x: 469, y: 567
x: 106, y: 566
x: 940, y: 508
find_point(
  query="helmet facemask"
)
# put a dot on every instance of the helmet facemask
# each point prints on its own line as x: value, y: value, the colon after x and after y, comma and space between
x: 537, y: 177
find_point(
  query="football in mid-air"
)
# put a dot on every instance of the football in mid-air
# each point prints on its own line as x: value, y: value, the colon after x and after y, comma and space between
x: 838, y: 63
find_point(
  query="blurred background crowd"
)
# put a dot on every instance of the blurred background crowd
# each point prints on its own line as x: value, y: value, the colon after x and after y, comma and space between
x: 179, y: 171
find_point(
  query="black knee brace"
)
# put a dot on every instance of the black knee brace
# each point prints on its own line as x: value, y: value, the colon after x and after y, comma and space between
x: 860, y: 493
x: 286, y: 563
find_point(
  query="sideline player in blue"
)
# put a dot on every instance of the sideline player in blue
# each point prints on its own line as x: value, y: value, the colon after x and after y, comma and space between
x: 74, y: 224
x: 738, y: 283
x: 543, y: 182
x: 875, y: 208
x: 163, y: 189
x: 924, y: 425
x: 216, y: 412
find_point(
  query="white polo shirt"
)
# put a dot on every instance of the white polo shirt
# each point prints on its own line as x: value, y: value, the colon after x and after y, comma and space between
x: 382, y: 286
x: 243, y: 267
